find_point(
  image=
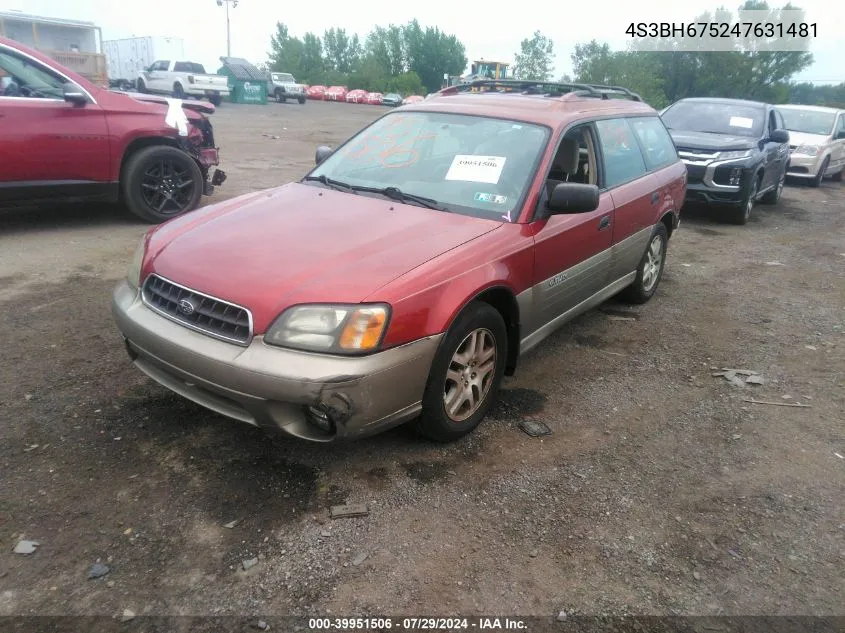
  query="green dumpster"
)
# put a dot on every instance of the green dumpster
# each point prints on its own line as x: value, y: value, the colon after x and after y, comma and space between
x: 247, y: 83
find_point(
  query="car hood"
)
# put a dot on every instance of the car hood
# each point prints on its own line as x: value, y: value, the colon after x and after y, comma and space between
x: 714, y: 142
x: 301, y: 243
x: 803, y: 138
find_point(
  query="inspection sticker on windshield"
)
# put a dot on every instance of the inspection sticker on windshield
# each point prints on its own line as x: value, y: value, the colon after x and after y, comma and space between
x: 741, y: 121
x: 489, y: 197
x: 476, y: 168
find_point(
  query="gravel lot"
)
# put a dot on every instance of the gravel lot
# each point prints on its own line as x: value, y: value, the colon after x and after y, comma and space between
x: 660, y: 491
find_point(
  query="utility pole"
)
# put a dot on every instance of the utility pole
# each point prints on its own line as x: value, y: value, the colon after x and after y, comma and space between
x: 234, y: 4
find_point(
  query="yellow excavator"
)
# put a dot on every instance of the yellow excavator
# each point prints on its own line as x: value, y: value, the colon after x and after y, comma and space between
x: 479, y: 70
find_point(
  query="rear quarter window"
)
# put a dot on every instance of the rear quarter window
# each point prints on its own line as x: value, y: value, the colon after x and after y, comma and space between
x: 656, y: 144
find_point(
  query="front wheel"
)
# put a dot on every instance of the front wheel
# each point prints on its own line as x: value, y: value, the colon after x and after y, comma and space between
x: 650, y: 270
x: 465, y: 374
x: 301, y: 100
x: 161, y: 182
x: 742, y: 214
x: 817, y: 181
x: 142, y: 87
x: 178, y: 91
x: 280, y: 97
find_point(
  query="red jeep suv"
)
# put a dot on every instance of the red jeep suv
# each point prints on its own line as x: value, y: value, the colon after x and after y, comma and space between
x: 406, y: 274
x: 64, y: 139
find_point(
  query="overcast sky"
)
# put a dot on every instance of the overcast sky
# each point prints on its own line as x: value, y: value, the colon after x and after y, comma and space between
x: 487, y: 32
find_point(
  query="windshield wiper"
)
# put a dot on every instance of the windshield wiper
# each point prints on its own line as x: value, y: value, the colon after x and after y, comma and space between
x: 329, y: 182
x: 395, y: 193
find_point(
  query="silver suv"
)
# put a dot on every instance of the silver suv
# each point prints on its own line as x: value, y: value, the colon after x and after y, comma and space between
x: 816, y: 142
x: 283, y: 87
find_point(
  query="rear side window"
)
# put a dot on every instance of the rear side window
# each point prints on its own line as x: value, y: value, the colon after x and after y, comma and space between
x: 658, y: 147
x: 621, y: 154
x: 182, y: 67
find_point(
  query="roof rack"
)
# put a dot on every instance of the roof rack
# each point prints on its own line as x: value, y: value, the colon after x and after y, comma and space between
x: 545, y: 88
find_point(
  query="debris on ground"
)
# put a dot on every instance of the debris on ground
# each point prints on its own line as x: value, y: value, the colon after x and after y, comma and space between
x: 774, y: 264
x: 349, y: 510
x: 128, y: 614
x: 617, y: 317
x: 26, y: 547
x: 535, y: 428
x: 735, y: 376
x: 249, y: 563
x: 261, y: 625
x: 811, y: 347
x: 839, y: 456
x: 360, y: 558
x: 778, y: 404
x: 231, y: 524
x: 98, y: 570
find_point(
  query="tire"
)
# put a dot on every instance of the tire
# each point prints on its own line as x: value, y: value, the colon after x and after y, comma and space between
x: 817, y: 181
x: 216, y: 100
x: 301, y: 100
x: 650, y: 269
x: 837, y: 177
x: 773, y: 196
x: 178, y: 91
x: 478, y: 322
x: 741, y: 215
x: 280, y: 96
x: 142, y: 174
x: 142, y: 87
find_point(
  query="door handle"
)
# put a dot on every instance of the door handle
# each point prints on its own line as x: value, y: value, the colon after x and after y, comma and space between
x: 655, y: 198
x: 604, y: 222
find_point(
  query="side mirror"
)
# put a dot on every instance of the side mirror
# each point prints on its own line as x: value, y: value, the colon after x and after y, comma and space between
x: 74, y: 94
x: 839, y: 135
x: 573, y: 197
x: 779, y: 136
x: 323, y: 152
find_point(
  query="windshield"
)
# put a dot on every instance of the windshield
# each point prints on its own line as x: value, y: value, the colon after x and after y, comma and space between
x: 283, y: 77
x: 471, y: 165
x: 808, y: 121
x: 717, y: 118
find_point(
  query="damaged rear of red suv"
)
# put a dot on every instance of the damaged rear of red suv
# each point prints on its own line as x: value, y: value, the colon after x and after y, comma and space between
x: 65, y: 139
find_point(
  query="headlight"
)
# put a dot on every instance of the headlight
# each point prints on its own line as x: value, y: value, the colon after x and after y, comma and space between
x: 338, y: 329
x: 743, y: 153
x: 133, y: 273
x: 808, y: 150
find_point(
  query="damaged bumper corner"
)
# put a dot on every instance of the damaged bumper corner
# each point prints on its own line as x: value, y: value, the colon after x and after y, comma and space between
x: 273, y: 387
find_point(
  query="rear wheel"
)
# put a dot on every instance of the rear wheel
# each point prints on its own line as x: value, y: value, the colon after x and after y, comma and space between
x: 650, y: 270
x: 301, y: 100
x: 161, y: 182
x: 815, y: 182
x: 773, y: 196
x: 215, y: 100
x: 465, y: 374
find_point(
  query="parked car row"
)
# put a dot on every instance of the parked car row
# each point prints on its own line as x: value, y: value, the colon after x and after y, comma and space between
x: 739, y: 152
x: 342, y: 93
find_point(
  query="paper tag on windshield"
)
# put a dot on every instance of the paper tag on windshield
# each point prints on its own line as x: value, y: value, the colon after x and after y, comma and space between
x: 476, y: 168
x: 741, y: 121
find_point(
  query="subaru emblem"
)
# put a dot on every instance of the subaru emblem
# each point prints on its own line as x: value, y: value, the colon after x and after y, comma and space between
x: 186, y: 307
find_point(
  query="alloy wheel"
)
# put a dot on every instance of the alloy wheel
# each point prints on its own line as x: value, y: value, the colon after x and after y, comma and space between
x: 167, y: 187
x: 653, y: 262
x: 469, y: 375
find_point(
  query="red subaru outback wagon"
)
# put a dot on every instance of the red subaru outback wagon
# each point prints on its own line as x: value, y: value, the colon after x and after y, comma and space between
x: 64, y: 139
x: 405, y: 275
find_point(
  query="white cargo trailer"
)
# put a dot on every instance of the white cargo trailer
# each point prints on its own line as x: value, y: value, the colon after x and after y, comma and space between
x: 128, y: 57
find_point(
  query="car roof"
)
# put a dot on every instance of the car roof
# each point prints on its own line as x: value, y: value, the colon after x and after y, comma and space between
x: 552, y: 111
x: 812, y: 108
x: 745, y: 102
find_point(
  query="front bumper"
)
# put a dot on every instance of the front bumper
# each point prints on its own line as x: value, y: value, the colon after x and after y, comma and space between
x: 699, y: 192
x: 802, y: 166
x: 272, y: 387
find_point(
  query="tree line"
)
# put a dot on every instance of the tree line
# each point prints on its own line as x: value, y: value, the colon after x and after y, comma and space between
x: 407, y: 59
x: 410, y: 59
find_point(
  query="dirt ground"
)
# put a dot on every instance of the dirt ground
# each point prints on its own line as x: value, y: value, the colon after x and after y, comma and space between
x: 660, y: 491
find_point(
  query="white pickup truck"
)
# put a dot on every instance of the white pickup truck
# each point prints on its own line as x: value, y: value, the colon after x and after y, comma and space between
x: 182, y: 79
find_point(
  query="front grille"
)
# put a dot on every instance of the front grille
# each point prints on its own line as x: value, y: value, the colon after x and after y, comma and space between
x: 198, y: 311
